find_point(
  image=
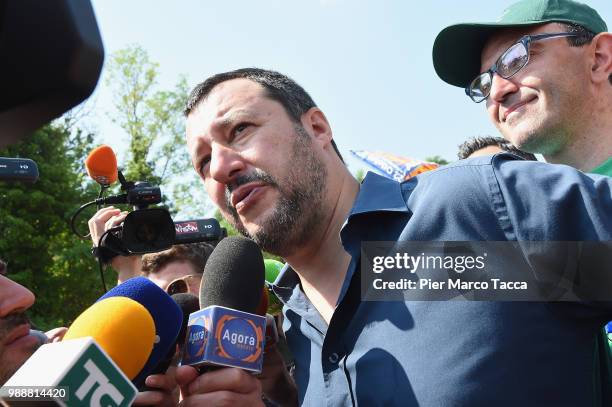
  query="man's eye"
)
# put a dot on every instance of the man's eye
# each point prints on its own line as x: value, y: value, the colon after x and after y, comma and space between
x: 239, y: 129
x: 204, y: 165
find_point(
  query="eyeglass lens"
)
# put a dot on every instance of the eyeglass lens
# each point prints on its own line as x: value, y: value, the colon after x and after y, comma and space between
x: 176, y: 287
x: 508, y: 65
x: 481, y: 86
x: 512, y: 61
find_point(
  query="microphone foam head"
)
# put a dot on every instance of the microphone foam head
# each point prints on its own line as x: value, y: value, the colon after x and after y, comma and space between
x: 101, y: 165
x: 122, y: 327
x: 233, y: 276
x: 166, y: 314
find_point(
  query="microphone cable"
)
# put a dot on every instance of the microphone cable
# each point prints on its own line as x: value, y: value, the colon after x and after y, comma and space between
x: 99, y: 260
x: 82, y: 208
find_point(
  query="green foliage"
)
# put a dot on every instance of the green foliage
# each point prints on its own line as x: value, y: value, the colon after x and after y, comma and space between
x: 437, y: 159
x: 154, y: 124
x: 42, y: 253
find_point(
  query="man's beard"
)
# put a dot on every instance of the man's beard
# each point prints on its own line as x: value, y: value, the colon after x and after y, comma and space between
x: 299, y: 210
x: 7, y: 325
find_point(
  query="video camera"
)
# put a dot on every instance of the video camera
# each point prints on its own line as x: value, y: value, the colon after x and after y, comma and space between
x: 144, y: 230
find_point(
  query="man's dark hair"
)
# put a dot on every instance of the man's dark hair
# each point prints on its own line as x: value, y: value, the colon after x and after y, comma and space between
x: 279, y: 87
x: 2, y: 267
x: 468, y: 147
x: 585, y: 36
x: 195, y: 253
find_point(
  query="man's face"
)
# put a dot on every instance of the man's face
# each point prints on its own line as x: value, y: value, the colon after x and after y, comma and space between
x: 261, y: 169
x: 177, y: 270
x: 16, y: 344
x: 540, y: 108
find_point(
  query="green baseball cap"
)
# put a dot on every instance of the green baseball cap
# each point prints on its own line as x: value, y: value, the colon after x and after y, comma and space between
x: 457, y: 49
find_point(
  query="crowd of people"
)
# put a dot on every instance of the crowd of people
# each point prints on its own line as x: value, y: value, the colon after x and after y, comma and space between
x: 268, y: 161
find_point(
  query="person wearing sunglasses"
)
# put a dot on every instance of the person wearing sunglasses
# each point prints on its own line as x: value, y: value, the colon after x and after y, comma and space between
x: 178, y: 269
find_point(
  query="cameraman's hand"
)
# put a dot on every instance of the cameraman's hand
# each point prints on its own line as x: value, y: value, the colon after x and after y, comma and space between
x: 103, y: 220
x: 223, y: 387
x: 107, y: 218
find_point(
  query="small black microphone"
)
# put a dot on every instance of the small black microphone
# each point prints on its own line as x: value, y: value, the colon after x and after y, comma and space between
x: 189, y: 303
x: 18, y: 169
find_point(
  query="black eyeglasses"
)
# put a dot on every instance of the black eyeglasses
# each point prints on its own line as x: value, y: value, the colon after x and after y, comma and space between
x: 507, y: 65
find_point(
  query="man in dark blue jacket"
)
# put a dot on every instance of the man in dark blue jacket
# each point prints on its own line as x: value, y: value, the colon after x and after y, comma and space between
x: 266, y: 156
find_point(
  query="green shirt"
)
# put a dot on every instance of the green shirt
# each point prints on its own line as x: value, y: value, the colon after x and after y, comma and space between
x: 604, y: 168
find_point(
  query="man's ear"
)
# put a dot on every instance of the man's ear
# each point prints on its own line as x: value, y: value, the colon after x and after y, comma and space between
x: 315, y: 122
x: 601, y: 68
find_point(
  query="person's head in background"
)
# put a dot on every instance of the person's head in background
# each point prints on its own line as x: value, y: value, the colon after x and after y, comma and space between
x: 178, y: 269
x: 16, y: 343
x: 544, y: 71
x: 486, y: 145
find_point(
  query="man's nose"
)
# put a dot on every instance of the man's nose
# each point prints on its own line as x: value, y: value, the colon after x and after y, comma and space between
x: 13, y: 297
x: 225, y: 164
x: 501, y: 88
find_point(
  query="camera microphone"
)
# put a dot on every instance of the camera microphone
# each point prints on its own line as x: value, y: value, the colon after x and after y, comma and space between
x: 101, y: 165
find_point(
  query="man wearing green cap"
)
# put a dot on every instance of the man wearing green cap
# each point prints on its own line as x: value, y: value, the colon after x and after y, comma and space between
x: 544, y: 71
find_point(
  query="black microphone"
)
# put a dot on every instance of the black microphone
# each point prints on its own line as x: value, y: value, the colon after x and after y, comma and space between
x: 188, y: 303
x: 234, y: 275
x: 227, y: 331
x: 18, y: 169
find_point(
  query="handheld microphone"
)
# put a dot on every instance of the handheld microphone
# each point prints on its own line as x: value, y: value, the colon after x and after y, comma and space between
x: 69, y: 373
x: 18, y: 169
x: 101, y: 165
x: 188, y: 303
x: 226, y: 331
x: 122, y: 327
x: 105, y: 347
x: 42, y: 338
x: 166, y: 314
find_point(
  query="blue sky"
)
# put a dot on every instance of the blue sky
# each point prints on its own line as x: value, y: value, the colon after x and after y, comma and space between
x: 367, y: 64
